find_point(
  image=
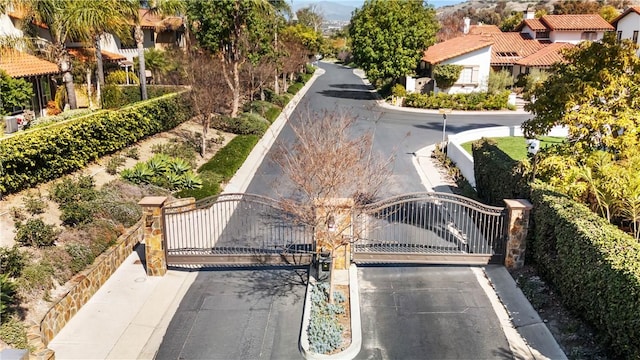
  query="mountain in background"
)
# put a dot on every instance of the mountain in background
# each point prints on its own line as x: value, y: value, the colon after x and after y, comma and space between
x: 331, y: 11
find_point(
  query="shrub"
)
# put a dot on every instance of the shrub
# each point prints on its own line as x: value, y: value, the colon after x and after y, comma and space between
x: 8, y: 296
x: 497, y: 175
x: 52, y: 108
x: 398, y: 90
x: 272, y: 114
x: 125, y: 213
x: 309, y: 69
x: 36, y: 277
x: 58, y: 150
x: 178, y: 149
x: 12, y: 261
x: 116, y: 96
x: 34, y: 204
x: 34, y: 232
x: 77, y: 213
x: 499, y: 81
x: 325, y: 333
x: 132, y: 153
x: 49, y: 120
x: 13, y: 332
x: 245, y: 124
x: 114, y: 163
x: 446, y: 75
x: 71, y: 189
x: 81, y: 256
x: 119, y: 77
x: 163, y: 171
x: 229, y: 159
x: 471, y: 101
x: 592, y: 264
x: 294, y: 88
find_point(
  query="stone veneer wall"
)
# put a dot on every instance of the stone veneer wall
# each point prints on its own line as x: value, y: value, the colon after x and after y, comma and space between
x: 86, y: 283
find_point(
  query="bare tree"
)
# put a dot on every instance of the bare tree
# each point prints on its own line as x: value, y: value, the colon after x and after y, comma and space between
x: 204, y: 78
x: 329, y: 161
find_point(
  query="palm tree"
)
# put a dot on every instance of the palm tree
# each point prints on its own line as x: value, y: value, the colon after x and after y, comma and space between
x: 153, y: 7
x: 55, y: 15
x: 95, y: 18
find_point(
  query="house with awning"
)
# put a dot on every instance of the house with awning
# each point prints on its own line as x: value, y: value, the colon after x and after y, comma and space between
x: 38, y: 72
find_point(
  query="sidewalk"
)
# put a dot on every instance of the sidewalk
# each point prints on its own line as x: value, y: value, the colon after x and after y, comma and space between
x: 129, y: 315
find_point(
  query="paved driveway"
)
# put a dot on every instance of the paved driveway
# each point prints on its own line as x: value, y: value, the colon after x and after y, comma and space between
x: 238, y: 314
x: 431, y: 312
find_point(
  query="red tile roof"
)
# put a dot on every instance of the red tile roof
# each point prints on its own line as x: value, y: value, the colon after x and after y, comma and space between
x: 533, y: 24
x: 455, y: 47
x: 546, y: 56
x: 18, y: 64
x: 512, y: 46
x: 635, y: 9
x: 580, y: 22
x: 89, y: 54
x: 483, y: 29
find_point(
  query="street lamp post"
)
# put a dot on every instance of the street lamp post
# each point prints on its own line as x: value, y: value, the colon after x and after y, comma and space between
x: 444, y: 113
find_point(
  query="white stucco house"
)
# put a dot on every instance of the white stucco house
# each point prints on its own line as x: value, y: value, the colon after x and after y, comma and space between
x: 627, y: 25
x: 472, y: 52
x: 565, y: 28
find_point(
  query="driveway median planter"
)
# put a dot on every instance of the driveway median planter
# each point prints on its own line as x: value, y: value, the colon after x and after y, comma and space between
x: 322, y: 335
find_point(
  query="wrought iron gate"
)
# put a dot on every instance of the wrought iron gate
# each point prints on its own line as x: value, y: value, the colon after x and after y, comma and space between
x: 430, y: 227
x: 235, y: 230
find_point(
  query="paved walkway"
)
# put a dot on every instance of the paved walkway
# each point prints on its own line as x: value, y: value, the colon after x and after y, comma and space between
x: 128, y: 316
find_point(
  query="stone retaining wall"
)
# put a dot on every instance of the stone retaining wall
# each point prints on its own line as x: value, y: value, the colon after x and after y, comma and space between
x: 85, y: 284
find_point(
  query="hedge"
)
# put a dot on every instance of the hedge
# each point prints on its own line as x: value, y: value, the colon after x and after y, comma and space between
x: 471, y: 101
x: 47, y: 153
x: 116, y: 96
x: 497, y: 175
x: 593, y: 265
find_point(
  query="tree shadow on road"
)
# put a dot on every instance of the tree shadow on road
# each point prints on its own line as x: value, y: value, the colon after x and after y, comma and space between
x: 348, y: 94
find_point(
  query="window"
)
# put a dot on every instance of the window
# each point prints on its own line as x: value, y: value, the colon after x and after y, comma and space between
x: 542, y: 34
x: 635, y: 36
x: 469, y: 75
x: 588, y: 35
x: 619, y: 35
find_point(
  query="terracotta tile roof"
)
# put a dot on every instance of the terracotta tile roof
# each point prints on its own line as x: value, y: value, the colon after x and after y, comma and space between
x: 580, y: 22
x: 512, y: 46
x: 533, y: 24
x: 149, y: 20
x: 18, y: 64
x: 546, y: 56
x: 483, y: 29
x: 455, y: 47
x: 635, y: 9
x: 89, y: 54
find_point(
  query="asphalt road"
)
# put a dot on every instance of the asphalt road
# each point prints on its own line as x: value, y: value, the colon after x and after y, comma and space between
x: 430, y: 312
x: 397, y: 133
x: 408, y: 312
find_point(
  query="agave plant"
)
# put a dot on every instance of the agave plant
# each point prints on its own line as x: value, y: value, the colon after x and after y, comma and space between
x: 159, y: 164
x: 179, y: 166
x: 139, y: 174
x: 191, y: 181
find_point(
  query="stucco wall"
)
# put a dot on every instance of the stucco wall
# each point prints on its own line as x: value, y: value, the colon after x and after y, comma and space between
x: 480, y: 58
x: 573, y: 37
x: 464, y: 160
x: 629, y: 24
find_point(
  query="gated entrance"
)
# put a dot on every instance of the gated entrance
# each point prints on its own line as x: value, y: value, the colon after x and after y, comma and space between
x: 246, y: 229
x: 437, y: 228
x: 235, y: 229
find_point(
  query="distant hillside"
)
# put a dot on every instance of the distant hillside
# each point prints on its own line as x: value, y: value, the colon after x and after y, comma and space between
x: 332, y: 11
x: 519, y: 5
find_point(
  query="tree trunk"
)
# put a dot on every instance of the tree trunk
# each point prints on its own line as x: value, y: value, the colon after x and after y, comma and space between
x: 142, y: 75
x: 331, y: 271
x: 235, y: 106
x: 67, y: 78
x: 206, y: 120
x: 100, y: 71
x: 89, y: 87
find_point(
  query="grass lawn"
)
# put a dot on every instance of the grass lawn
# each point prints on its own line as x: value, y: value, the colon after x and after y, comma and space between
x: 516, y: 146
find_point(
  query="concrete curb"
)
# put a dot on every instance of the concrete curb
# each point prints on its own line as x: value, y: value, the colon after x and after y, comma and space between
x: 241, y: 180
x: 356, y: 327
x: 524, y: 317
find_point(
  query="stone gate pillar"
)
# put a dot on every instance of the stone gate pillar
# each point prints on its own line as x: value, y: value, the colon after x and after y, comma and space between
x: 155, y: 255
x: 338, y: 211
x: 519, y: 211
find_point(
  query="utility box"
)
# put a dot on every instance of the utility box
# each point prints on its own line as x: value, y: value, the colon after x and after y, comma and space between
x: 11, y: 124
x: 324, y: 265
